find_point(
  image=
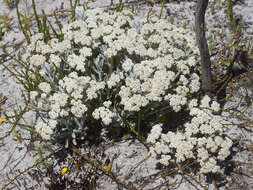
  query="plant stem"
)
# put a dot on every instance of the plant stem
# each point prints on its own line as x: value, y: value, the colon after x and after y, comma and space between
x: 139, y: 123
x: 36, y: 17
x: 231, y: 16
x: 161, y: 12
x: 203, y: 46
x: 21, y: 26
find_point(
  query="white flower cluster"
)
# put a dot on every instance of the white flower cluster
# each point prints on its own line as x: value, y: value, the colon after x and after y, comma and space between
x: 151, y: 81
x: 104, y: 113
x: 108, y: 55
x: 45, y: 129
x: 199, y: 139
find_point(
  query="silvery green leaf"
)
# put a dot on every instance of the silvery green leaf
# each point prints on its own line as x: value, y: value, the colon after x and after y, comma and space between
x: 80, y: 13
x: 78, y: 123
x: 233, y: 50
x: 93, y: 76
x: 73, y: 135
x: 249, y: 45
x: 67, y: 143
x: 74, y: 142
x: 237, y: 66
x: 47, y: 66
x: 49, y: 72
x: 99, y: 62
x: 102, y: 48
x: 137, y: 25
x: 75, y: 130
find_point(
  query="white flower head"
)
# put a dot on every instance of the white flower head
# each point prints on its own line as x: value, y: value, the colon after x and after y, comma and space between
x: 37, y: 60
x: 33, y: 95
x: 205, y: 101
x: 45, y: 87
x: 127, y: 65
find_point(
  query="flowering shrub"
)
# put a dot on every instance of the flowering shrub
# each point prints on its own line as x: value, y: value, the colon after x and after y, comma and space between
x: 201, y: 139
x: 111, y: 69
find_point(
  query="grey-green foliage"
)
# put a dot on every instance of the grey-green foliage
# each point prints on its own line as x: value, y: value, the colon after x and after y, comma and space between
x: 80, y: 13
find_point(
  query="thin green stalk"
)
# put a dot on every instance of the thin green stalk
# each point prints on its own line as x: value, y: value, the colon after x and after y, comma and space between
x: 72, y: 11
x: 58, y: 23
x: 191, y: 177
x: 120, y: 6
x: 111, y: 67
x: 148, y: 15
x: 18, y: 117
x: 45, y: 28
x: 11, y: 181
x: 13, y: 58
x: 109, y: 74
x: 137, y: 165
x: 17, y: 75
x: 21, y: 26
x: 36, y: 17
x: 231, y: 16
x: 27, y: 25
x: 156, y: 111
x: 132, y: 9
x: 139, y: 123
x: 161, y: 12
x: 227, y: 79
x: 175, y: 171
x: 26, y: 127
x: 132, y: 129
x: 17, y: 136
x: 112, y: 175
x: 76, y: 2
x: 50, y: 24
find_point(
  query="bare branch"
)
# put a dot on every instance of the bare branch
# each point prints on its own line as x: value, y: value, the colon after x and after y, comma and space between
x: 203, y: 46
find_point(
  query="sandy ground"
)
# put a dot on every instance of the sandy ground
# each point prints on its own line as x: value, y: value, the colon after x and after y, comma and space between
x: 17, y: 156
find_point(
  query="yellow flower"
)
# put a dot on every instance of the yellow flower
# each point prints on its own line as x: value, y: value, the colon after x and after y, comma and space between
x: 1, y: 120
x: 107, y: 168
x: 64, y: 170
